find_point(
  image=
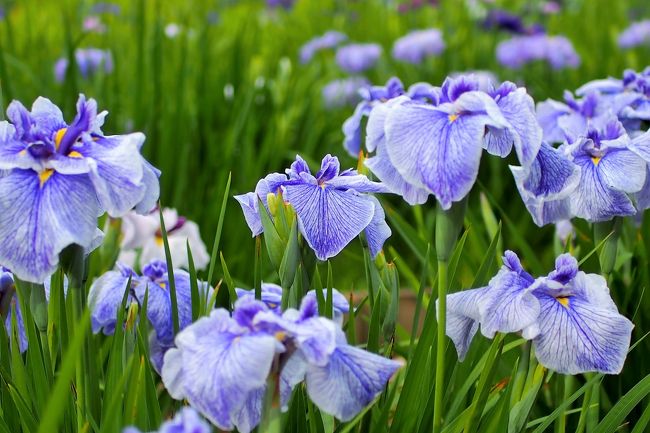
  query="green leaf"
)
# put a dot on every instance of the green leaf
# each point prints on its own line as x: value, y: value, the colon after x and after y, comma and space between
x: 617, y: 414
x: 170, y: 272
x: 217, y: 236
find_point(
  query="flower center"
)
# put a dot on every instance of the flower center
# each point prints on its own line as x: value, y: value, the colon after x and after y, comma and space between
x: 452, y: 117
x: 44, y: 176
x: 595, y: 159
x: 563, y: 300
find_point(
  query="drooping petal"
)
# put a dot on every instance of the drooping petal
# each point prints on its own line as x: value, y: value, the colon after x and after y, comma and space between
x: 150, y: 175
x: 548, y: 114
x: 216, y: 365
x: 352, y: 129
x: 13, y: 152
x: 524, y: 133
x: 437, y: 149
x: 250, y: 415
x: 40, y: 215
x: 292, y: 374
x: 546, y: 184
x: 623, y: 170
x: 593, y: 199
x: 350, y: 381
x: 329, y: 218
x: 377, y: 231
x: 462, y: 318
x: 579, y: 332
x: 117, y: 172
x: 249, y: 207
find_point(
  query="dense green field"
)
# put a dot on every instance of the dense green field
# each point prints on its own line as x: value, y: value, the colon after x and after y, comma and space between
x: 226, y: 101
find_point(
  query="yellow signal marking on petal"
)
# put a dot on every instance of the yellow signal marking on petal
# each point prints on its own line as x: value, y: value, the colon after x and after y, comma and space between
x: 163, y: 285
x: 23, y: 152
x: 44, y: 175
x: 58, y: 137
x: 453, y: 117
x: 280, y: 335
x: 595, y: 159
x: 159, y: 241
x: 563, y: 300
x: 75, y: 154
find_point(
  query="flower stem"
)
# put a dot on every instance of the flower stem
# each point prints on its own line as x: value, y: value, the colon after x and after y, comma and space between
x: 441, y: 345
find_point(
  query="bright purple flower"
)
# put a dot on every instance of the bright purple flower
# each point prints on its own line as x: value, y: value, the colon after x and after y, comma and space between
x: 434, y: 145
x: 520, y: 50
x: 570, y: 317
x: 332, y: 206
x: 591, y: 177
x: 345, y: 92
x: 89, y: 61
x: 239, y: 352
x: 356, y: 58
x: 59, y: 178
x: 185, y: 421
x: 106, y: 293
x: 418, y: 45
x: 636, y: 34
x: 329, y: 39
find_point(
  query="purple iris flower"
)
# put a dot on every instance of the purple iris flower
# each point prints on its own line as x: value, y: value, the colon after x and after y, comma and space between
x: 570, y: 317
x: 636, y: 34
x: 594, y: 177
x: 329, y: 39
x: 332, y: 206
x: 434, y: 145
x: 89, y: 61
x: 284, y: 4
x: 520, y: 50
x: 59, y: 178
x: 504, y: 20
x: 106, y: 293
x: 185, y: 421
x: 418, y: 45
x: 345, y: 92
x: 239, y: 352
x: 356, y: 58
x: 271, y: 296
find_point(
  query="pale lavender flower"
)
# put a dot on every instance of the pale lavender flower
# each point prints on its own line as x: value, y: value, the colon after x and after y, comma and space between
x: 330, y: 39
x: 520, y: 50
x: 340, y: 93
x: 636, y: 34
x: 418, y: 45
x: 356, y: 58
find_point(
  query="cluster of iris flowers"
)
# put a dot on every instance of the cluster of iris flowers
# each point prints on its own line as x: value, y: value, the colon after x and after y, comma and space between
x: 57, y: 178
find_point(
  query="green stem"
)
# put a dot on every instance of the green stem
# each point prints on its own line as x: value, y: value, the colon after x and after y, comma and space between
x: 586, y: 403
x: 441, y: 345
x: 77, y: 312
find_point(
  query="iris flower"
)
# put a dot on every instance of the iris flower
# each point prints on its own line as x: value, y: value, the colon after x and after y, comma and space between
x: 433, y: 144
x: 142, y: 239
x: 106, y: 293
x: 638, y: 33
x: 569, y: 315
x: 418, y: 45
x: 595, y: 177
x: 339, y: 93
x: 518, y: 51
x: 89, y: 61
x: 239, y: 352
x: 332, y: 206
x: 356, y: 58
x: 59, y: 178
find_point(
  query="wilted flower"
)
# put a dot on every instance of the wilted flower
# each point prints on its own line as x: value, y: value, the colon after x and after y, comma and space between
x: 570, y: 317
x: 142, y: 239
x: 185, y: 421
x: 433, y: 145
x: 520, y: 50
x: 89, y: 61
x: 356, y: 58
x: 418, y: 45
x: 332, y: 207
x: 59, y: 178
x: 330, y: 39
x: 339, y: 93
x: 239, y: 353
x: 636, y: 34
